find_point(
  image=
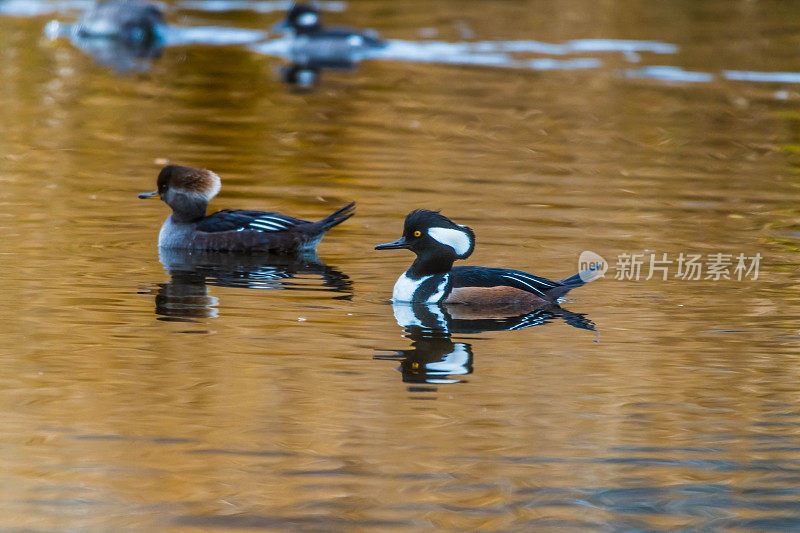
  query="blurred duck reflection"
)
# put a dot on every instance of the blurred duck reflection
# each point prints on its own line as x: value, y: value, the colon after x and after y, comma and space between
x: 306, y: 74
x: 435, y: 358
x: 185, y: 297
x: 120, y: 55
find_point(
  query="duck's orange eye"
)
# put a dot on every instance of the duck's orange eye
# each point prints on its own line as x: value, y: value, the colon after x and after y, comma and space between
x: 417, y: 233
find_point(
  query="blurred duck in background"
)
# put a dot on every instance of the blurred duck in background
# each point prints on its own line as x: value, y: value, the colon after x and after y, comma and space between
x: 128, y: 34
x: 122, y: 34
x: 324, y: 46
x: 124, y: 20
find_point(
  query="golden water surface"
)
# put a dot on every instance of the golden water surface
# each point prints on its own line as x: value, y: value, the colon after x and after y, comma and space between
x: 232, y: 393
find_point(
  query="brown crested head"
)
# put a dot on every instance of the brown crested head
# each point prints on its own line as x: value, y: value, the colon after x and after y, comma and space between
x: 187, y: 180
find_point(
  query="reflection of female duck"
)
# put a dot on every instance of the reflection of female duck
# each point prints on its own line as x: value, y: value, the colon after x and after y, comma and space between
x: 186, y: 295
x: 434, y: 356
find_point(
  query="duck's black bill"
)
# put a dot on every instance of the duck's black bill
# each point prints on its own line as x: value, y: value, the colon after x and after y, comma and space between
x: 148, y: 195
x: 399, y: 243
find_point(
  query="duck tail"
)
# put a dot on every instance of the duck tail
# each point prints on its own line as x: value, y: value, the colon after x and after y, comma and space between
x: 581, y: 278
x: 338, y: 216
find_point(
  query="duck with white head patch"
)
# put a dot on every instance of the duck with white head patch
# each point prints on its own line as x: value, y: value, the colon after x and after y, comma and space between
x: 325, y: 46
x: 438, y: 242
x: 188, y: 190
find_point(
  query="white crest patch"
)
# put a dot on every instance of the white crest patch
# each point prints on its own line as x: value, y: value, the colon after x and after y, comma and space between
x: 307, y: 19
x: 455, y: 239
x: 355, y: 40
x: 216, y: 185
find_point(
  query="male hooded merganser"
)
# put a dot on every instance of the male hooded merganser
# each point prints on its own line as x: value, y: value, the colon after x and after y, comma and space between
x: 332, y: 44
x: 438, y: 242
x: 127, y: 20
x: 188, y: 190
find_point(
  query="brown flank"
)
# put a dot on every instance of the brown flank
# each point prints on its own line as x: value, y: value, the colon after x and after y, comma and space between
x: 491, y: 296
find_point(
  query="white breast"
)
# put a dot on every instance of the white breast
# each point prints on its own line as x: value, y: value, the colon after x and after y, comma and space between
x: 405, y: 287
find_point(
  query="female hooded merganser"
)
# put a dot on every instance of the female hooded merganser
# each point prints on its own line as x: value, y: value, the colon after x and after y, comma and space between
x: 432, y: 279
x: 188, y: 190
x: 333, y: 44
x: 126, y: 20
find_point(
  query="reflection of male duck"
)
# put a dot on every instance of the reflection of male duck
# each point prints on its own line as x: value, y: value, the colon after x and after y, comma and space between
x: 185, y: 296
x: 460, y: 319
x: 432, y: 359
x: 435, y: 358
x: 306, y: 74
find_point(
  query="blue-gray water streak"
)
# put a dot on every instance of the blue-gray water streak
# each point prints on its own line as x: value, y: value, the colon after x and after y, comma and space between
x: 258, y: 7
x: 34, y: 8
x: 571, y: 47
x: 490, y: 53
x: 482, y: 54
x: 765, y: 77
x: 668, y: 73
x: 439, y: 52
x: 177, y: 35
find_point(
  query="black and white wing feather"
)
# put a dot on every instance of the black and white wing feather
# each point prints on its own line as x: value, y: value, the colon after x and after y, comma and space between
x: 240, y: 220
x: 528, y: 282
x: 493, y: 277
